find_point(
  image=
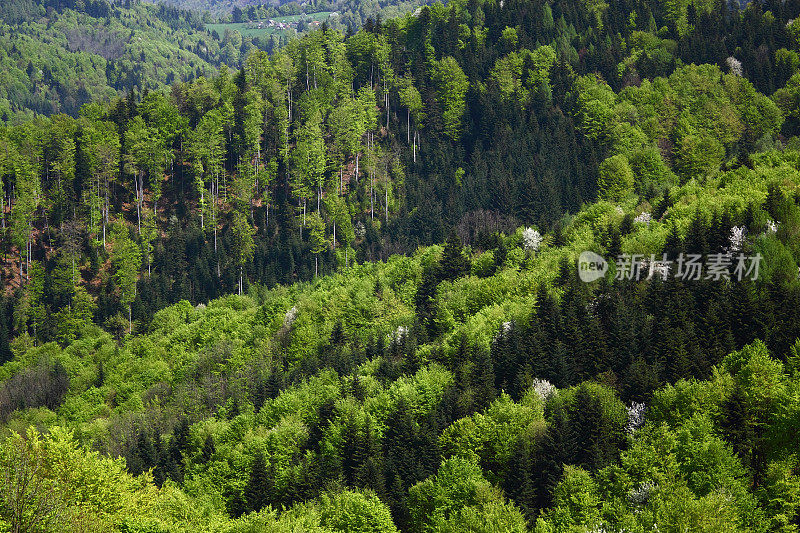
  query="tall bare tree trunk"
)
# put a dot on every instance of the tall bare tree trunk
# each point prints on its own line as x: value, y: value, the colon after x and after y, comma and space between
x: 138, y: 187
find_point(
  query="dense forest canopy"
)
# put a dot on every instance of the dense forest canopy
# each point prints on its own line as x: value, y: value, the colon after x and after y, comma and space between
x: 57, y: 55
x: 336, y: 289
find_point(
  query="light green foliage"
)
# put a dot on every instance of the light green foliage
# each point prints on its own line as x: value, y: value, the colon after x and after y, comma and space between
x: 243, y: 239
x: 75, y: 317
x: 697, y: 478
x: 681, y: 401
x: 304, y: 399
x: 317, y: 233
x: 207, y: 151
x: 781, y: 493
x: 787, y: 97
x: 576, y: 502
x: 510, y: 37
x: 760, y: 386
x: 101, y: 145
x: 458, y: 497
x: 332, y: 512
x: 616, y: 178
x: 420, y: 393
x: 484, y: 264
x: 306, y: 343
x: 652, y: 175
x: 126, y: 258
x: 53, y: 482
x: 680, y: 473
x: 782, y: 268
x: 696, y: 117
x: 676, y: 12
x: 595, y: 101
x: 489, y: 438
x: 667, y: 481
x: 356, y: 512
x: 451, y: 84
x: 309, y: 158
x: 507, y: 73
x: 28, y: 195
x: 699, y: 155
x: 410, y: 97
x: 336, y: 207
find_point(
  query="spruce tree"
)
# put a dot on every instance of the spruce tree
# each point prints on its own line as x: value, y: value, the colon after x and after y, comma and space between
x: 454, y: 263
x: 258, y: 492
x: 208, y: 449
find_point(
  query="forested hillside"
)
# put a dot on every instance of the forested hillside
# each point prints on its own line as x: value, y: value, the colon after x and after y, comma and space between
x: 349, y: 13
x: 337, y: 290
x: 333, y: 150
x: 450, y: 390
x: 56, y: 56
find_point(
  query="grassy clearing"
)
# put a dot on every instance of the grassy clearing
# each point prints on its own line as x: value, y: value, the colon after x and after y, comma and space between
x: 242, y: 27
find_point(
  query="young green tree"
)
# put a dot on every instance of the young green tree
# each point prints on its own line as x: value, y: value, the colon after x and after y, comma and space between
x: 459, y: 498
x: 35, y: 289
x: 316, y: 229
x: 137, y: 140
x: 207, y: 149
x: 72, y: 318
x: 126, y: 258
x: 243, y: 242
x: 411, y: 99
x: 615, y: 180
x: 309, y: 161
x: 29, y: 501
x: 451, y: 87
x: 28, y: 195
x: 101, y: 145
x: 358, y: 512
x: 60, y: 151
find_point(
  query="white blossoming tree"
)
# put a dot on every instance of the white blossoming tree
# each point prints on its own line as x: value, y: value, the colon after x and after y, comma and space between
x: 531, y: 240
x: 734, y: 66
x: 543, y: 388
x: 736, y: 239
x: 636, y: 412
x: 643, y: 218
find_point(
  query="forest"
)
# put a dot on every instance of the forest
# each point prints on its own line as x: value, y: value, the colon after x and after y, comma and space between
x: 336, y: 286
x: 57, y: 55
x: 350, y: 13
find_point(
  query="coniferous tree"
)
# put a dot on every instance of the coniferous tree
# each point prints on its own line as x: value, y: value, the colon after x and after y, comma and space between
x: 454, y: 263
x: 259, y: 490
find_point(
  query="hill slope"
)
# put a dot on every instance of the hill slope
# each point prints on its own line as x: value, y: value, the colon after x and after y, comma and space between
x: 368, y: 377
x: 55, y: 59
x: 421, y: 377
